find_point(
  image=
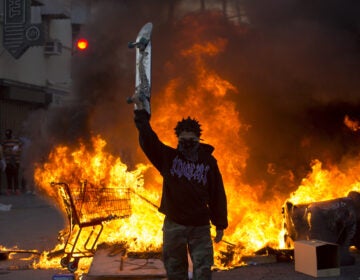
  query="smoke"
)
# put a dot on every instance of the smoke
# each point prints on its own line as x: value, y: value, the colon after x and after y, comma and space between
x: 296, y: 66
x: 299, y: 77
x: 102, y: 79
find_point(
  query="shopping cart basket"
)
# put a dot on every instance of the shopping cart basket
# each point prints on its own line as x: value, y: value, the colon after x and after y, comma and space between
x: 89, y: 206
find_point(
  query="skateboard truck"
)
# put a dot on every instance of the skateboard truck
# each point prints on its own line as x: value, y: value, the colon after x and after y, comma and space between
x: 141, y: 44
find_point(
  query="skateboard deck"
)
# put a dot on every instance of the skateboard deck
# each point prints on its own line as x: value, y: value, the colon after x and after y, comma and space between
x: 142, y: 68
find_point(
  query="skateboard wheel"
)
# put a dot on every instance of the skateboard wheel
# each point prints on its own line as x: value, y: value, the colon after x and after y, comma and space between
x: 72, y: 266
x: 64, y: 261
x: 131, y: 45
x: 129, y: 100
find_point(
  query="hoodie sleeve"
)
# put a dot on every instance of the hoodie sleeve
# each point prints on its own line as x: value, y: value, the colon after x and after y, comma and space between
x: 153, y: 148
x: 218, y: 201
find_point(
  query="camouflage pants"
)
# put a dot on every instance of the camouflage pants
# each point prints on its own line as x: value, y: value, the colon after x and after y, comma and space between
x: 178, y: 240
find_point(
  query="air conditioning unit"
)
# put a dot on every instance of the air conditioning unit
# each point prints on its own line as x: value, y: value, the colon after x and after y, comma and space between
x: 53, y: 48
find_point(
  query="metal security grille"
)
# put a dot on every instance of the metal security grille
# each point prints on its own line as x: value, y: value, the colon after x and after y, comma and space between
x: 13, y: 114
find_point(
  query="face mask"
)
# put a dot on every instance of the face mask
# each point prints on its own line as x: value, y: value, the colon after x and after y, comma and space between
x: 189, y: 148
x: 188, y: 143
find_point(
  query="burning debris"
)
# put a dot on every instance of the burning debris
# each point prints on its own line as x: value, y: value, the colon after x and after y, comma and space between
x: 264, y: 101
x: 351, y: 124
x: 99, y: 210
x: 17, y: 259
x: 6, y: 253
x: 335, y: 221
x: 89, y: 206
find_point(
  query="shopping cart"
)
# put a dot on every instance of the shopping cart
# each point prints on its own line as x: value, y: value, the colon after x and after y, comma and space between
x: 88, y: 206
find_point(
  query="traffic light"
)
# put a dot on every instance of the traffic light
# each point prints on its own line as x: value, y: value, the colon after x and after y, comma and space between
x: 82, y: 44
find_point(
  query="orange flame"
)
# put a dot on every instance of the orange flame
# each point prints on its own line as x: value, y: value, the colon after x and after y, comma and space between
x: 100, y: 170
x: 253, y: 221
x: 325, y: 184
x: 352, y: 124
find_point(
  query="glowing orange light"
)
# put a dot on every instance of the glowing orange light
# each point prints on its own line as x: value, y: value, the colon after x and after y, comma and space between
x: 82, y: 44
x: 254, y: 213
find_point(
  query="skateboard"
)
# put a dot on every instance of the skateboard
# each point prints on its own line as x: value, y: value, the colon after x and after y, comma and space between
x: 142, y: 68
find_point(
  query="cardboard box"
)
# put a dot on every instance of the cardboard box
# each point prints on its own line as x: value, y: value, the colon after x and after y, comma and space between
x: 317, y: 258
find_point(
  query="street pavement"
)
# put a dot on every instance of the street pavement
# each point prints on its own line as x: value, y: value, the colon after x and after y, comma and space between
x: 33, y: 223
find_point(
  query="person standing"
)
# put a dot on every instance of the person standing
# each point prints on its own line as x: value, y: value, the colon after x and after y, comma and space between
x: 193, y: 196
x: 12, y: 153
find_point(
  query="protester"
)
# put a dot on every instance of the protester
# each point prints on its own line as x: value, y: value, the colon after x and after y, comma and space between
x: 12, y: 153
x: 193, y: 195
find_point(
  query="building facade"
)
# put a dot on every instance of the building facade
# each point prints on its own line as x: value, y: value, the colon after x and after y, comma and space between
x: 37, y: 47
x: 35, y: 56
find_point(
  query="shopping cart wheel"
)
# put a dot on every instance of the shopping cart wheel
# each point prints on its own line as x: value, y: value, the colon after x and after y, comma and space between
x: 72, y: 266
x: 65, y: 261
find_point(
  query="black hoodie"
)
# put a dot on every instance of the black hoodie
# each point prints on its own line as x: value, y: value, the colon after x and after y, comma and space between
x: 193, y: 192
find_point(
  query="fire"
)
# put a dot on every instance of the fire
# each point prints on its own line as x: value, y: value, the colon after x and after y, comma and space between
x: 101, y: 170
x: 352, y: 124
x: 325, y: 184
x: 254, y: 222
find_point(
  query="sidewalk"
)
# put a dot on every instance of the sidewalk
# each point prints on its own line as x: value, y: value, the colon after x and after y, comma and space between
x: 33, y: 223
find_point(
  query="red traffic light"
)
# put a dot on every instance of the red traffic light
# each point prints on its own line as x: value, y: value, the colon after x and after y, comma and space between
x: 82, y: 44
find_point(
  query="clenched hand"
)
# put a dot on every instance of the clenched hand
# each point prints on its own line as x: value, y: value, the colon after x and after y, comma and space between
x: 219, y: 235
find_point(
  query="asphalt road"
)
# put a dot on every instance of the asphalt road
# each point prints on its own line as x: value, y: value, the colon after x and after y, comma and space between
x: 33, y: 223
